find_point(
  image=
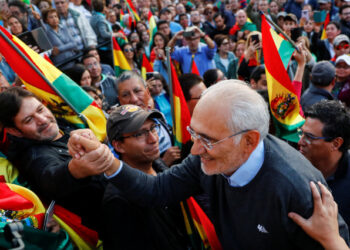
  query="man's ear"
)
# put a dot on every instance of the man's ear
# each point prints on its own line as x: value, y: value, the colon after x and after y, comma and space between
x: 337, y: 142
x: 251, y: 140
x: 118, y: 146
x: 14, y: 132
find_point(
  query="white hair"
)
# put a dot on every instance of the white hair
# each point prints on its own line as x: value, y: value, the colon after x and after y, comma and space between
x: 248, y: 110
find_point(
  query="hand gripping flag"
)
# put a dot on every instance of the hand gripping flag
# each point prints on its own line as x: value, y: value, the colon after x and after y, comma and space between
x: 61, y: 94
x: 284, y: 102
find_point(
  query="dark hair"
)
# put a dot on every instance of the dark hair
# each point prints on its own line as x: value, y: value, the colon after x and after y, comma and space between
x: 142, y: 24
x: 21, y: 6
x: 117, y: 5
x: 219, y: 14
x: 46, y: 12
x: 257, y: 72
x: 219, y: 39
x: 24, y: 27
x: 160, y: 22
x: 87, y: 50
x: 90, y: 89
x: 162, y: 79
x: 75, y: 72
x: 183, y: 14
x: 10, y: 103
x: 335, y: 118
x: 165, y: 39
x: 210, y: 77
x: 86, y: 56
x: 131, y: 33
x: 98, y: 5
x: 342, y: 8
x: 336, y: 24
x: 187, y: 81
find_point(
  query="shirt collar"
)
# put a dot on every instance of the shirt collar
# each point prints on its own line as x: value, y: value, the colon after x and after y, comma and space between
x: 245, y: 173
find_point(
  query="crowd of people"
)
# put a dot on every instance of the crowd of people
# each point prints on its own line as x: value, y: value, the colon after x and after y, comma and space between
x: 258, y: 191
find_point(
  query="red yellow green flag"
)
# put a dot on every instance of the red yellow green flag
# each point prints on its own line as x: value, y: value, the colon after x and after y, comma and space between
x: 132, y: 10
x: 52, y: 85
x: 326, y: 21
x: 19, y: 203
x: 120, y: 62
x: 152, y: 27
x: 284, y: 102
x: 146, y: 66
x: 182, y: 114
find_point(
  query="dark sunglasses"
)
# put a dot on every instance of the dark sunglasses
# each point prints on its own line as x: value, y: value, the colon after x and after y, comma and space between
x: 129, y: 50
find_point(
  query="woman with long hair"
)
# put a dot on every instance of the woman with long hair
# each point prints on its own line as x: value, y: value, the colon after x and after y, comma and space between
x: 129, y: 53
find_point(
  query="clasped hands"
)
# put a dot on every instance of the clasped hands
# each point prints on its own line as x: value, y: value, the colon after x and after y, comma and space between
x: 89, y: 156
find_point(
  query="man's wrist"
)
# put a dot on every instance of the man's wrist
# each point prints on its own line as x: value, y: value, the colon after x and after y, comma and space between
x: 114, y: 169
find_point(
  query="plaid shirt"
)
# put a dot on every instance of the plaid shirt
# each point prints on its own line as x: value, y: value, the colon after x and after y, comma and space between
x: 73, y: 30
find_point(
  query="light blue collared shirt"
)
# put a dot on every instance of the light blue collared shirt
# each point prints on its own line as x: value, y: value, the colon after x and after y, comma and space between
x: 116, y: 172
x: 245, y: 173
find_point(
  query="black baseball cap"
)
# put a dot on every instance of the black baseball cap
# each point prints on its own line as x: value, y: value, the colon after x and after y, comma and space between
x: 126, y: 119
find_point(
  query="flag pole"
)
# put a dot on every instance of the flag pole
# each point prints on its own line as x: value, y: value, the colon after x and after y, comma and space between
x: 8, y: 40
x: 167, y: 51
x: 280, y: 31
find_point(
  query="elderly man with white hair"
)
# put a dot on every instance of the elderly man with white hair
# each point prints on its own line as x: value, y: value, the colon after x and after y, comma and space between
x: 253, y: 179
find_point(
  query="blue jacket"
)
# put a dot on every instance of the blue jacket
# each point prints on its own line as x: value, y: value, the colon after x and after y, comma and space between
x: 219, y: 64
x: 64, y: 42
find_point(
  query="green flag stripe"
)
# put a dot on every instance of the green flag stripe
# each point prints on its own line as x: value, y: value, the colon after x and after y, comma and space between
x: 285, y: 50
x: 77, y: 97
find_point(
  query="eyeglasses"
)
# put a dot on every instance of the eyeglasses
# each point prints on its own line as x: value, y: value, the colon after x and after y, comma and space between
x: 91, y: 65
x: 143, y: 134
x: 344, y: 46
x: 129, y: 50
x: 308, y: 138
x: 225, y: 43
x: 207, y: 142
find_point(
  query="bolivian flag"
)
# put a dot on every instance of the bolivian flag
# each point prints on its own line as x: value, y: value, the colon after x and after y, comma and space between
x: 19, y: 203
x: 54, y: 88
x: 181, y: 112
x: 152, y: 27
x: 146, y: 66
x: 326, y: 21
x: 284, y: 102
x: 132, y: 10
x: 120, y: 62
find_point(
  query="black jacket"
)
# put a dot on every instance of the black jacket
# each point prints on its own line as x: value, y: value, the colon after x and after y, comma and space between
x: 127, y: 225
x: 44, y: 165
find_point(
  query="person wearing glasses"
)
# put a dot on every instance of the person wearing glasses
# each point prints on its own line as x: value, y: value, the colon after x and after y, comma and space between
x: 133, y: 132
x: 253, y: 179
x: 105, y: 83
x: 324, y: 141
x: 341, y: 46
x: 322, y: 83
